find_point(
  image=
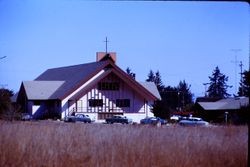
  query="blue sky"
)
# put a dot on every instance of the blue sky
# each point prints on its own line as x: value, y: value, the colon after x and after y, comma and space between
x: 183, y: 40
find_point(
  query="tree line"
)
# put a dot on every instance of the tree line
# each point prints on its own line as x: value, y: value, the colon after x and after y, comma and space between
x: 180, y: 97
x: 173, y: 98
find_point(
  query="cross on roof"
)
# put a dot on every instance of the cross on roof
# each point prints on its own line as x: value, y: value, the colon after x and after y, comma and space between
x: 106, y: 41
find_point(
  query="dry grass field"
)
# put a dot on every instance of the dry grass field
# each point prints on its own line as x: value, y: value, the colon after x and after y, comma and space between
x: 49, y: 143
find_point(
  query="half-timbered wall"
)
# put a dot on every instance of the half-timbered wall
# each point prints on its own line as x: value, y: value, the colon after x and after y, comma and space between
x: 111, y: 98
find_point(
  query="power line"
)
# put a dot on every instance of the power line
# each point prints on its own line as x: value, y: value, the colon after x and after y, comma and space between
x: 3, y: 57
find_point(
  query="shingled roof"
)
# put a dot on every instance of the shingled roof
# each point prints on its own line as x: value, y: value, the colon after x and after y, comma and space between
x: 150, y: 86
x: 73, y: 76
x: 58, y: 83
x: 226, y: 104
x: 42, y: 90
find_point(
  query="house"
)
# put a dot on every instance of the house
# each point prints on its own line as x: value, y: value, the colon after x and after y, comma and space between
x: 99, y: 89
x: 222, y: 110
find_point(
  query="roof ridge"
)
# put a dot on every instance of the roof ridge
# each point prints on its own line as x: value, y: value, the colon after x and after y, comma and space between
x: 70, y: 66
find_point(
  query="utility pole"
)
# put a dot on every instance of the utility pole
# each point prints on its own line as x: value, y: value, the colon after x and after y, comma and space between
x: 205, y: 84
x: 241, y: 78
x: 235, y: 68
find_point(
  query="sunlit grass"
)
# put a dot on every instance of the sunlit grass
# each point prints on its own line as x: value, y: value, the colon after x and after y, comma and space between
x: 50, y: 143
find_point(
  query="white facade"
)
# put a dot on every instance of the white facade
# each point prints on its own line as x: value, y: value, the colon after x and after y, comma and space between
x: 99, y: 89
x: 137, y: 107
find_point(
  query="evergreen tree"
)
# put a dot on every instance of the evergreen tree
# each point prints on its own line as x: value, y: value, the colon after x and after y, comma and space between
x: 151, y: 76
x: 5, y: 101
x: 156, y: 78
x: 245, y: 84
x: 130, y: 73
x: 184, y: 93
x: 218, y: 86
x: 170, y: 96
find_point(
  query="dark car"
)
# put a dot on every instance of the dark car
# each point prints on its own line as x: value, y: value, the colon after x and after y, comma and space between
x: 193, y: 121
x: 153, y: 120
x: 78, y: 118
x: 118, y: 119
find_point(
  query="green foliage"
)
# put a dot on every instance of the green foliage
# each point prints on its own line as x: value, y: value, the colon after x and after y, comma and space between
x: 8, y: 110
x: 156, y: 78
x: 172, y: 98
x: 130, y: 73
x: 244, y: 89
x: 5, y: 101
x: 185, y: 93
x: 218, y: 86
x: 161, y: 109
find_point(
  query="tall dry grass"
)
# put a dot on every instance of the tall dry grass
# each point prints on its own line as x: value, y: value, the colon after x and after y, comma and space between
x: 61, y: 144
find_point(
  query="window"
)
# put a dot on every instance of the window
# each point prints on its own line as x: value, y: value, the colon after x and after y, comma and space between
x: 123, y: 102
x: 95, y: 103
x: 108, y: 86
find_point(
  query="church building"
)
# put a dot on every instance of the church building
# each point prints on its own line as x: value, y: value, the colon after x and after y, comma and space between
x: 99, y: 89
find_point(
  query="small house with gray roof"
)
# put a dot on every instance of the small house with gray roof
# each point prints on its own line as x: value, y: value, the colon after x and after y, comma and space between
x: 99, y: 89
x: 222, y: 110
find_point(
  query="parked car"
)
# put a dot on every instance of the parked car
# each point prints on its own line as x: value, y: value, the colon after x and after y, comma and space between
x: 78, y: 118
x: 193, y: 121
x: 153, y: 120
x: 175, y: 118
x: 118, y: 119
x: 26, y: 117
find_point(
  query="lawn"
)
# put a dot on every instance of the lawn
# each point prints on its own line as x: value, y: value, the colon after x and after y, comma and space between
x: 51, y: 143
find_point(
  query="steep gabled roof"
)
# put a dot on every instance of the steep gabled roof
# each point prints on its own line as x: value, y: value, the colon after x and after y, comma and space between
x: 58, y: 83
x: 74, y: 76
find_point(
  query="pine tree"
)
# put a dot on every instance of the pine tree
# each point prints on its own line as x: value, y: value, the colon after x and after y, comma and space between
x: 130, y: 73
x: 185, y: 93
x: 156, y: 78
x: 245, y: 84
x: 218, y: 86
x: 158, y: 81
x: 151, y: 76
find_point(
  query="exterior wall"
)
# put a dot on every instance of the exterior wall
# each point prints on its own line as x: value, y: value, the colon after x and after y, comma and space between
x: 139, y: 107
x: 65, y: 109
x: 36, y: 110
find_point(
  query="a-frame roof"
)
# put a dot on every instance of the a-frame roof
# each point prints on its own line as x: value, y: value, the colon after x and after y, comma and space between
x: 72, y: 77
